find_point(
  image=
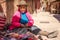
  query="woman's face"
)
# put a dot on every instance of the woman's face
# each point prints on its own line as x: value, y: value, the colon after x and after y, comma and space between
x: 23, y: 9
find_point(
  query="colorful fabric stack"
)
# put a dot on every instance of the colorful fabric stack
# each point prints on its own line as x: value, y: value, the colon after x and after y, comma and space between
x: 2, y: 22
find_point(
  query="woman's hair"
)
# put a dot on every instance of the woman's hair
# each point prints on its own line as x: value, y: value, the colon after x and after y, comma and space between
x: 1, y: 9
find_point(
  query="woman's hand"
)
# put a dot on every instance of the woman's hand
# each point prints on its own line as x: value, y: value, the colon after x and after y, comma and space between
x: 15, y: 35
x: 26, y: 25
x: 22, y: 25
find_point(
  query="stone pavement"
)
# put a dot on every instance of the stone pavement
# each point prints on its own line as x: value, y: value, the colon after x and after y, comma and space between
x: 46, y: 22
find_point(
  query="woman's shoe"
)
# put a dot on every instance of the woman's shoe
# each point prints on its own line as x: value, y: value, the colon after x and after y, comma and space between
x: 53, y: 34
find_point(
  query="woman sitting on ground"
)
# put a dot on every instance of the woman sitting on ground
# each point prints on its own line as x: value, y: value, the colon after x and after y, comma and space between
x: 22, y: 19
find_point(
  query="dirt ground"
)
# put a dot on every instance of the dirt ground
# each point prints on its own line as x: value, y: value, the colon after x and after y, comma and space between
x: 47, y: 22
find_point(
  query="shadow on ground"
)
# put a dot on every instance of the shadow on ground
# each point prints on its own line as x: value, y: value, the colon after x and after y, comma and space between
x: 57, y: 16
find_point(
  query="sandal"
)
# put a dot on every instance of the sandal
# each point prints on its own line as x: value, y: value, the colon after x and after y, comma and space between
x: 53, y: 34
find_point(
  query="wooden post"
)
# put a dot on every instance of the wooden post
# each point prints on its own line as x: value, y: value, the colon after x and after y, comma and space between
x: 10, y: 9
x: 37, y: 4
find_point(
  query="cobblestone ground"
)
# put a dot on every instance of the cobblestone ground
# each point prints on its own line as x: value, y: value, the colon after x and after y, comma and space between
x: 46, y: 22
